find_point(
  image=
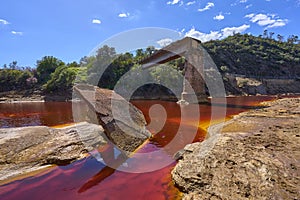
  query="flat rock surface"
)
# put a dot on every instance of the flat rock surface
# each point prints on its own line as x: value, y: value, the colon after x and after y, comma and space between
x: 123, y: 123
x: 27, y: 149
x: 256, y: 155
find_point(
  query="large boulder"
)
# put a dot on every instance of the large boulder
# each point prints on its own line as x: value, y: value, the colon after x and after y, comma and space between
x: 27, y: 149
x: 256, y: 155
x: 123, y: 123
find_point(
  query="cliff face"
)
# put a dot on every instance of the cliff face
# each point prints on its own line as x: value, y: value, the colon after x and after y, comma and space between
x: 253, y: 156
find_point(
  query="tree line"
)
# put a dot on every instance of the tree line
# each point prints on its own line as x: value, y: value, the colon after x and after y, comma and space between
x: 52, y: 74
x: 240, y: 54
x: 46, y: 76
x: 292, y: 39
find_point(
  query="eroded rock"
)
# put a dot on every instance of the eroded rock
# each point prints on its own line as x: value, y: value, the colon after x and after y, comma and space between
x: 123, y: 123
x: 27, y: 149
x: 255, y: 156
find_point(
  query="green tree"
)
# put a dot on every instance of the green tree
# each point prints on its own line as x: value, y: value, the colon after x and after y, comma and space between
x: 62, y: 79
x: 95, y: 70
x: 140, y: 54
x: 150, y: 50
x: 24, y: 76
x: 271, y: 35
x: 13, y: 65
x: 265, y: 34
x: 14, y: 79
x: 292, y: 39
x: 280, y: 38
x: 46, y: 66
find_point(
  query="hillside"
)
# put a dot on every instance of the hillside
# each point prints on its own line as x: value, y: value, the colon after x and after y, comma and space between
x: 255, y: 56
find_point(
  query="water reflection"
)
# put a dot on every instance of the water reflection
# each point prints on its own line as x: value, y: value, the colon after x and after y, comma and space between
x: 35, y: 113
x: 89, y: 179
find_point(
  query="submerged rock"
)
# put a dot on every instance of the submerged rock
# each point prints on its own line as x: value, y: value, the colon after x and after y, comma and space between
x: 27, y: 149
x: 123, y: 123
x: 256, y: 155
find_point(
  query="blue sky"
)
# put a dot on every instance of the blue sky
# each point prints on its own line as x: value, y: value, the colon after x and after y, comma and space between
x: 70, y: 29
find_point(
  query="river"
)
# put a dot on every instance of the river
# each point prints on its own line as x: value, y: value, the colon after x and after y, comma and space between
x: 90, y: 179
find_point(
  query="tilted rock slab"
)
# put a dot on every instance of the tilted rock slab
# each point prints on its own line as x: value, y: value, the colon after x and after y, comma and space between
x: 256, y: 155
x: 123, y: 123
x: 27, y: 149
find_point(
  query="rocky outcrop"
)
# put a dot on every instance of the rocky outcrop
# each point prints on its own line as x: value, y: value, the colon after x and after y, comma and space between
x: 123, y: 123
x: 28, y: 149
x: 256, y: 155
x: 242, y: 85
x: 34, y: 94
x: 24, y: 95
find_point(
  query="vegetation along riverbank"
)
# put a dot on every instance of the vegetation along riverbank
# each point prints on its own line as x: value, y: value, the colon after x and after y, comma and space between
x: 249, y: 65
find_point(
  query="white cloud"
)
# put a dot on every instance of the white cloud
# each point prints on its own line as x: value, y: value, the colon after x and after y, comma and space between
x: 250, y: 15
x: 3, y: 21
x: 124, y: 15
x: 173, y: 2
x: 208, y: 6
x: 238, y: 2
x: 278, y: 23
x: 219, y: 17
x: 190, y: 3
x: 268, y: 20
x: 215, y: 35
x: 260, y: 19
x: 228, y: 31
x: 181, y: 32
x: 17, y: 33
x: 164, y: 42
x: 248, y: 6
x: 96, y: 21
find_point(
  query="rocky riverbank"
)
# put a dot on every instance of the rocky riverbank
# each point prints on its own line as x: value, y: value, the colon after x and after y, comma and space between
x: 33, y: 95
x: 28, y: 149
x: 17, y: 96
x: 122, y: 127
x: 256, y: 155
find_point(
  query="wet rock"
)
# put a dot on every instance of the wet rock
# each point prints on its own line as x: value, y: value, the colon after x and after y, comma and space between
x: 256, y: 155
x: 123, y: 123
x: 28, y: 149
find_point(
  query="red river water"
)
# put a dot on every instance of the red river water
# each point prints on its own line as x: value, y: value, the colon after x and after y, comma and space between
x: 90, y: 179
